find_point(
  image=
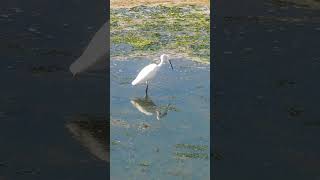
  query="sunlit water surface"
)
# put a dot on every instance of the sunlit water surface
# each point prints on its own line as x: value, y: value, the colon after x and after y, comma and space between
x: 165, y: 135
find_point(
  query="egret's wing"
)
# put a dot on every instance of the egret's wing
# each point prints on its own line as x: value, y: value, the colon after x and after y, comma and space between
x: 145, y: 73
x: 95, y: 53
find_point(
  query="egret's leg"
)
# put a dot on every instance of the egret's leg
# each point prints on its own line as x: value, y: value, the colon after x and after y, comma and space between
x: 75, y: 76
x: 147, y: 89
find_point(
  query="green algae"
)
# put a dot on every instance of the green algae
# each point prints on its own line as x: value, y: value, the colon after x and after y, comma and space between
x: 179, y: 30
x: 144, y: 163
x: 192, y: 147
x: 183, y: 155
x: 193, y: 151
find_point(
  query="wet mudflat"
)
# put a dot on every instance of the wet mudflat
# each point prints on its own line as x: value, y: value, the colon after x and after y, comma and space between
x: 145, y: 30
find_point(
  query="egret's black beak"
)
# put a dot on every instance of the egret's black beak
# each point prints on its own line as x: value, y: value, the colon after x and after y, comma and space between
x: 170, y: 64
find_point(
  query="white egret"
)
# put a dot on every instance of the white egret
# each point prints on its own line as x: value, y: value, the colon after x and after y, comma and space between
x: 148, y: 72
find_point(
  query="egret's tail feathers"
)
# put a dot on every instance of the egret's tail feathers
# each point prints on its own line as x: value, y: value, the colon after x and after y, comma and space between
x: 134, y: 82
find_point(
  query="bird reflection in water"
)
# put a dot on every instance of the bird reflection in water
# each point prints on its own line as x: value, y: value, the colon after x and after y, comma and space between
x: 91, y: 132
x: 146, y: 106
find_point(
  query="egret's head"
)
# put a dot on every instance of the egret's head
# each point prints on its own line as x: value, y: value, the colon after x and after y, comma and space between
x: 165, y: 57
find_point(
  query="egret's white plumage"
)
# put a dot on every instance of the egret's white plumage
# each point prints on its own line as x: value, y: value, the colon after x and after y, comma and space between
x: 148, y: 72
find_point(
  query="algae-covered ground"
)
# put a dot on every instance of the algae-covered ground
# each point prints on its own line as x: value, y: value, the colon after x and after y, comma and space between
x: 133, y: 3
x: 182, y: 31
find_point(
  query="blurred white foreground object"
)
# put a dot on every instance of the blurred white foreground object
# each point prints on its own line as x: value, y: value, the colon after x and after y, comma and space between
x: 95, y: 53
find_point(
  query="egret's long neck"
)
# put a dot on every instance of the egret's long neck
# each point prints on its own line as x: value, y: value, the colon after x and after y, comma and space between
x: 161, y: 62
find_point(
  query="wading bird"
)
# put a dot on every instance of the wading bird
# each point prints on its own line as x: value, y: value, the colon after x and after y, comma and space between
x: 148, y: 72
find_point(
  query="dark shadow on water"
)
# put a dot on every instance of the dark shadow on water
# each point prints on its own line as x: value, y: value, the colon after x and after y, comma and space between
x: 265, y: 98
x: 39, y: 41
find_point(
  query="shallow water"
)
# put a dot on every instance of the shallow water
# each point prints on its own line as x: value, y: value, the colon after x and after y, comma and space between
x: 163, y: 136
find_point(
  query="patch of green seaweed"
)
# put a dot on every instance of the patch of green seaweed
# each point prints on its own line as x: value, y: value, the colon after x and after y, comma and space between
x: 193, y: 151
x: 192, y: 147
x: 144, y: 163
x: 185, y: 155
x: 178, y: 29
